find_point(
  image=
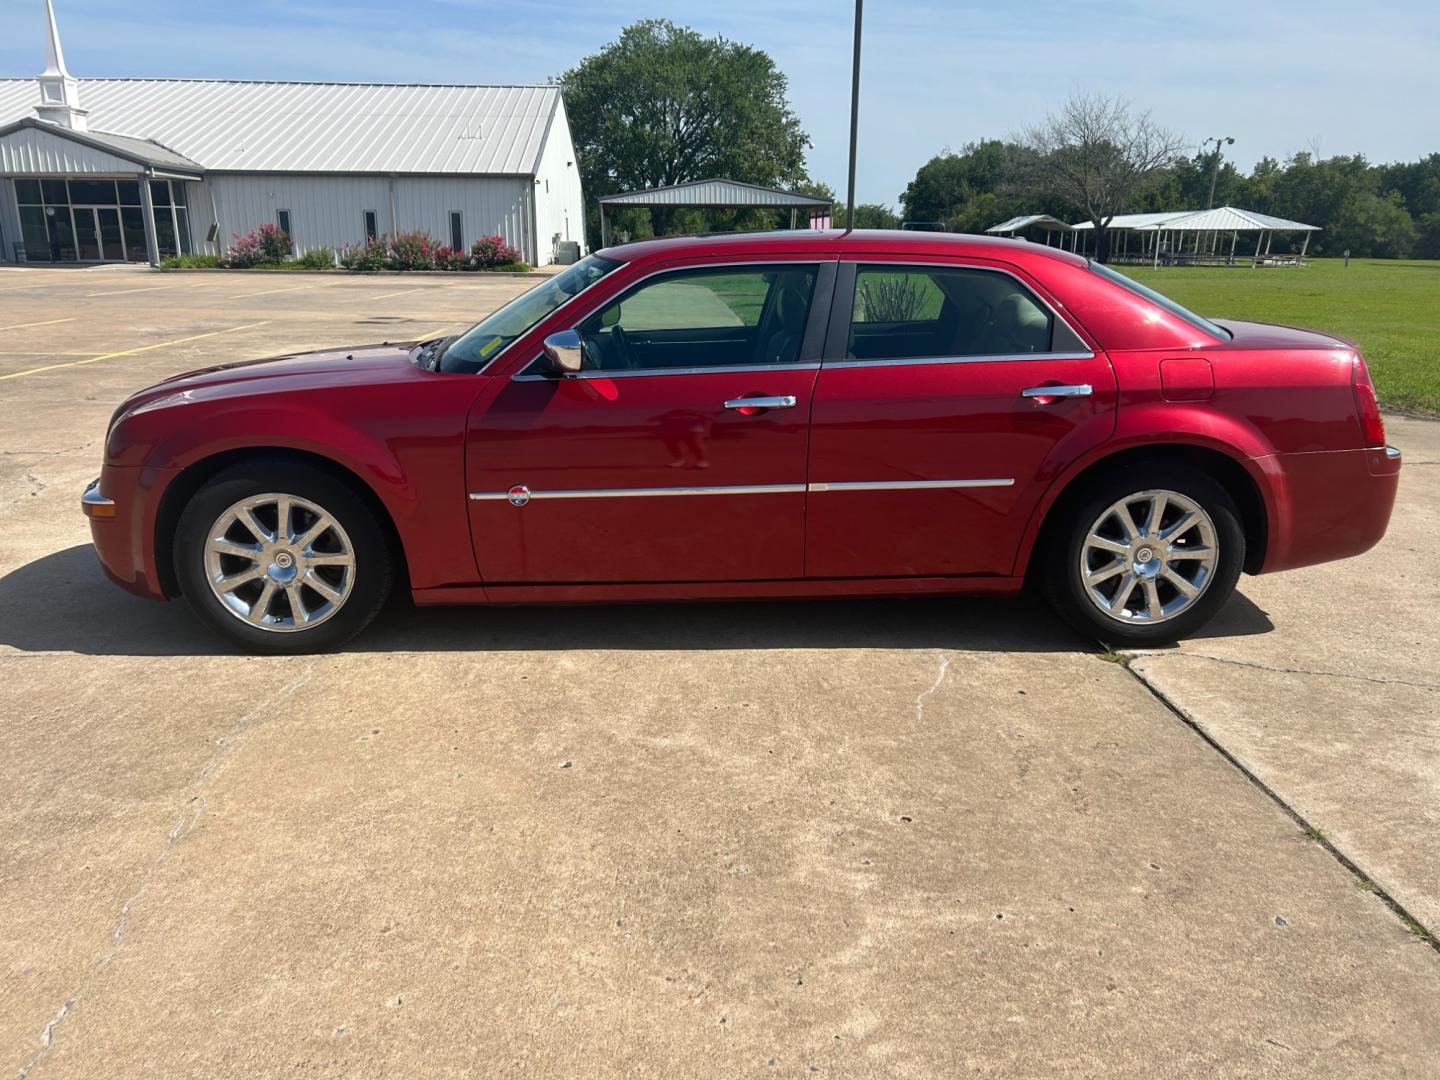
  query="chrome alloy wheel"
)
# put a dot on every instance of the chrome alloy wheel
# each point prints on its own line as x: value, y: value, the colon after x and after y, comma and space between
x: 279, y: 562
x: 1149, y: 557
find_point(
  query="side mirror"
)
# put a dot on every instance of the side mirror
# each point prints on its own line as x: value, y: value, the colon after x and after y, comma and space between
x: 565, y: 351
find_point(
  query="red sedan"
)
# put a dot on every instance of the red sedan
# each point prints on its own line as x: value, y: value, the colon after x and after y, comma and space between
x: 774, y: 415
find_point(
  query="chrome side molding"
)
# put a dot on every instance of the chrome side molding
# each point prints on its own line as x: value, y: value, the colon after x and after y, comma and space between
x: 515, y: 494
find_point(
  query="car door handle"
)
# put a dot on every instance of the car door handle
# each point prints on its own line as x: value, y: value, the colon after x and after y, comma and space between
x: 1044, y: 392
x: 744, y: 404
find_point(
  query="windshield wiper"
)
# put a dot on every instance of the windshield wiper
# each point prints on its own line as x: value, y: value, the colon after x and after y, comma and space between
x: 442, y: 347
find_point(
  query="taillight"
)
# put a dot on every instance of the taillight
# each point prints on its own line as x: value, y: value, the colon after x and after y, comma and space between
x: 1371, y: 426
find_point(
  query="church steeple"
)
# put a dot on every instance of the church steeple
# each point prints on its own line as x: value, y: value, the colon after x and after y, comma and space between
x: 59, y: 90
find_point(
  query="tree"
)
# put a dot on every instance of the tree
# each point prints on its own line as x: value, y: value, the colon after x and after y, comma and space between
x: 1096, y: 156
x: 664, y: 105
x: 1372, y: 226
x: 947, y: 187
x: 867, y: 216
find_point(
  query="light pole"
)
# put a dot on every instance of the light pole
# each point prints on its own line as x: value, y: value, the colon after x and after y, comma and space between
x: 854, y: 120
x: 1215, y: 169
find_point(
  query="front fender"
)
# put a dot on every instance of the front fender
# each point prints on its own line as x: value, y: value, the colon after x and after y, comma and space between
x: 408, y: 453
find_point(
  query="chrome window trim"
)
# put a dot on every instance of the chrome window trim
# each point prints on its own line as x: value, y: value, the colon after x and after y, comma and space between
x: 527, y: 376
x: 910, y: 485
x: 860, y: 264
x: 748, y: 489
x: 995, y: 358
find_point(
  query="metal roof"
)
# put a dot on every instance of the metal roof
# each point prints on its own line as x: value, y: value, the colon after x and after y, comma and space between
x: 140, y: 151
x: 1137, y: 221
x: 1231, y: 219
x: 715, y: 193
x: 235, y: 126
x: 1045, y: 221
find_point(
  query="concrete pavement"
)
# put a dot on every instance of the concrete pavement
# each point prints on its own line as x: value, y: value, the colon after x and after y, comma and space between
x: 847, y: 839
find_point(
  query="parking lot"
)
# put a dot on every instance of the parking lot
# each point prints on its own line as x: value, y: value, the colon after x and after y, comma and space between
x: 919, y: 839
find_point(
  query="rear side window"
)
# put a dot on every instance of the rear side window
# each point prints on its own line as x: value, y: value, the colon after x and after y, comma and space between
x: 1219, y: 333
x: 914, y: 312
x: 718, y: 317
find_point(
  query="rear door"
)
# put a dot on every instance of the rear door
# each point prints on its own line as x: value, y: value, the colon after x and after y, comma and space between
x: 950, y: 395
x: 677, y: 454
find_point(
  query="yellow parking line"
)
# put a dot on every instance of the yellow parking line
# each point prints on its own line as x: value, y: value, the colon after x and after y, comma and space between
x: 47, y: 322
x: 432, y: 334
x: 131, y: 352
x: 383, y: 295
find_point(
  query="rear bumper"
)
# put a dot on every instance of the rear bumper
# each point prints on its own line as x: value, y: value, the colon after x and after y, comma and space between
x: 1330, y: 505
x: 122, y: 506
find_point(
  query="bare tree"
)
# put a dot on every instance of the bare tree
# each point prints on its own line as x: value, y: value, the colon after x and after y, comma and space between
x: 1095, y: 155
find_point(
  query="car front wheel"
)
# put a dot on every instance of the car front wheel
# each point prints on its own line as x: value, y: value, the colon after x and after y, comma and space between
x: 282, y: 558
x: 1145, y: 559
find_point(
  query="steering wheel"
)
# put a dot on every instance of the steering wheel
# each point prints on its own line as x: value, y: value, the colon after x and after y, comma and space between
x: 623, y: 349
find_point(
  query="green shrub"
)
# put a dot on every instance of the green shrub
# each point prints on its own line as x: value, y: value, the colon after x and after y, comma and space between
x: 509, y: 268
x: 191, y: 262
x: 370, y: 255
x: 321, y: 258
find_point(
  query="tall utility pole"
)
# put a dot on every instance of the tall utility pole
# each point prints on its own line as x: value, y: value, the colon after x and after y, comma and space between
x: 1215, y: 169
x: 854, y: 119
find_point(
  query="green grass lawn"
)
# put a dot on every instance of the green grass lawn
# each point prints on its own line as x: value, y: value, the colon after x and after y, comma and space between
x: 1389, y: 308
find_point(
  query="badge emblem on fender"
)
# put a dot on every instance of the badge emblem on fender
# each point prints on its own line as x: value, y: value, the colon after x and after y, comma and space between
x: 518, y: 495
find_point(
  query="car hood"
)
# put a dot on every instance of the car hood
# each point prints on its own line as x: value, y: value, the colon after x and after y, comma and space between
x: 330, y: 368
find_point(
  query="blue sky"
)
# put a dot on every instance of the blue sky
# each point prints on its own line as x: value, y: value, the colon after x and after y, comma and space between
x: 1280, y: 76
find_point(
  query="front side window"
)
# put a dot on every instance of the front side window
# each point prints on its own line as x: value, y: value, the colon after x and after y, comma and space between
x: 475, y: 348
x: 907, y: 312
x: 719, y: 317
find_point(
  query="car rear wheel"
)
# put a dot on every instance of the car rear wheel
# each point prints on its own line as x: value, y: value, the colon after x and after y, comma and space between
x: 1145, y: 556
x: 282, y: 558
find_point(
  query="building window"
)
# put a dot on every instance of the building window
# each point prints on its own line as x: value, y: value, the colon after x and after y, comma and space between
x: 282, y: 222
x: 88, y: 220
x: 372, y: 226
x: 457, y: 231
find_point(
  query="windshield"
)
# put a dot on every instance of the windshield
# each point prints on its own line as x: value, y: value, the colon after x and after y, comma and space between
x: 1217, y: 332
x: 475, y: 348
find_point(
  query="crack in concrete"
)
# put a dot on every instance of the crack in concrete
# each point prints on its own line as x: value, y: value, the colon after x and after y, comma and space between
x: 1289, y: 671
x: 1412, y: 924
x: 939, y: 678
x: 184, y: 824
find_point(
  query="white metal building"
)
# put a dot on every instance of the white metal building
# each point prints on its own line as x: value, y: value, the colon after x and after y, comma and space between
x: 97, y: 170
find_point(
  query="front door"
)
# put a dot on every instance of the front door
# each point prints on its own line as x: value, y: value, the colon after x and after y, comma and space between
x: 933, y: 436
x: 677, y: 454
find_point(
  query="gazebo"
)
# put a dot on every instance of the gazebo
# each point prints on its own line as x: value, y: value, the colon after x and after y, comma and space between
x: 1205, y: 229
x: 1043, y: 222
x: 717, y: 195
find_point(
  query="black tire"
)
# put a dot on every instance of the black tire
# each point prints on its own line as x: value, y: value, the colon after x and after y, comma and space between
x: 1060, y: 574
x: 373, y: 561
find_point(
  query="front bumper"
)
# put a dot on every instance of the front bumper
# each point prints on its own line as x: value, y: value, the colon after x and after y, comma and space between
x: 1330, y: 505
x: 123, y: 506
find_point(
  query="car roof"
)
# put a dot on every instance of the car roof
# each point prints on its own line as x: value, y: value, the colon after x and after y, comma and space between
x: 838, y: 242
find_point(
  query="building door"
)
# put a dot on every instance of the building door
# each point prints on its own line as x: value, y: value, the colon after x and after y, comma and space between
x: 97, y: 233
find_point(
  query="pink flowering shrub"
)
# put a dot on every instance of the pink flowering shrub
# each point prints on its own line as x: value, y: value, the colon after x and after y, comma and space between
x: 447, y: 258
x: 493, y: 251
x: 265, y: 246
x: 412, y: 251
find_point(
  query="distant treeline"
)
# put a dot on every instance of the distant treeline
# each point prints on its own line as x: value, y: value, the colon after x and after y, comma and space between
x: 1375, y: 211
